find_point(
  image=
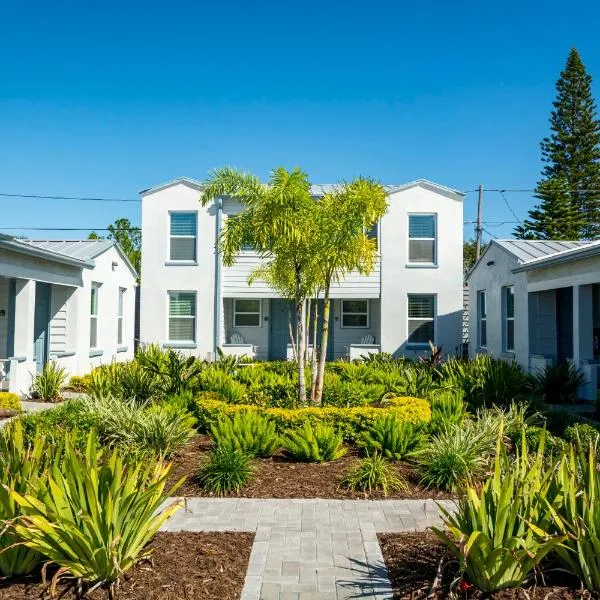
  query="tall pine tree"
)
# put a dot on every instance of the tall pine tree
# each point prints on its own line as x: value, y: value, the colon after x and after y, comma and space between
x: 572, y: 154
x: 555, y: 217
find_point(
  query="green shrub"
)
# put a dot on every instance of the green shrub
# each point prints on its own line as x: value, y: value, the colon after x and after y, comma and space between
x: 132, y: 382
x: 21, y: 463
x: 213, y: 380
x: 559, y: 384
x: 10, y: 401
x: 372, y: 474
x: 228, y: 470
x: 352, y: 393
x: 456, y: 456
x: 447, y: 408
x: 558, y: 420
x: 79, y: 383
x: 534, y: 436
x: 48, y: 384
x: 314, y: 444
x: 393, y: 438
x: 494, y: 533
x: 94, y: 513
x: 420, y: 381
x: 249, y: 432
x: 583, y: 435
x: 72, y: 417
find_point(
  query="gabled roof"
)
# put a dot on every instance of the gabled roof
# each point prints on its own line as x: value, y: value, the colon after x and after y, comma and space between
x: 25, y: 247
x: 318, y: 189
x: 583, y: 250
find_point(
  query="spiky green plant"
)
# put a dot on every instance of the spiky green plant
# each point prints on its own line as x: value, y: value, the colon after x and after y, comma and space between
x: 372, y: 474
x: 20, y: 466
x: 94, y: 513
x: 393, y: 438
x: 247, y: 431
x: 447, y: 407
x: 228, y: 470
x: 48, y: 384
x: 318, y: 443
x: 498, y: 532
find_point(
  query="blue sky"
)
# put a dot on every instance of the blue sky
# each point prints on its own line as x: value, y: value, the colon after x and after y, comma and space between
x: 105, y: 99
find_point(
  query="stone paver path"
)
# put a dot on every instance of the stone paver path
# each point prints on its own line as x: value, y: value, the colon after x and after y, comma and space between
x: 311, y: 549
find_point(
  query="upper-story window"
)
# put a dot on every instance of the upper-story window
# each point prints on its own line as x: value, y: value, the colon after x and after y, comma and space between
x: 355, y: 313
x: 94, y: 294
x: 482, y: 318
x: 508, y: 311
x: 422, y: 239
x: 183, y: 236
x: 120, y: 307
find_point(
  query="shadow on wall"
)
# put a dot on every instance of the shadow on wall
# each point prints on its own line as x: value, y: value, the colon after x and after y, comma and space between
x: 448, y: 335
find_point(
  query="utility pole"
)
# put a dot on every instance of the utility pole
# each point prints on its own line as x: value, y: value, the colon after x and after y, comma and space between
x: 478, y: 229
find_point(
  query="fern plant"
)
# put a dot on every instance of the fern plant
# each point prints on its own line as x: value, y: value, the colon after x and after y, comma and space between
x: 247, y: 431
x: 392, y: 438
x: 319, y: 443
x: 447, y: 407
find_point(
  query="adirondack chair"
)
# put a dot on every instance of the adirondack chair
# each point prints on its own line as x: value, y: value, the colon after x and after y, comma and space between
x: 237, y: 339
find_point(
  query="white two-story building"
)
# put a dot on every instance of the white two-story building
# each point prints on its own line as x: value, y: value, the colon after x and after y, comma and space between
x: 190, y: 301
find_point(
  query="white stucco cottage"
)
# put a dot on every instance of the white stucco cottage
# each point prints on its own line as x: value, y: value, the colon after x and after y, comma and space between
x: 71, y: 302
x: 538, y: 302
x: 190, y: 301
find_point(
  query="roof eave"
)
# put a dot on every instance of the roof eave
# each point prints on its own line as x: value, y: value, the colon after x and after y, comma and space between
x: 23, y: 248
x: 562, y: 258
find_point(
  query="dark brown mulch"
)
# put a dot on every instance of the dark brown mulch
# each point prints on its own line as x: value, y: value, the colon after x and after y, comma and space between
x: 211, y: 566
x: 412, y: 561
x: 282, y: 477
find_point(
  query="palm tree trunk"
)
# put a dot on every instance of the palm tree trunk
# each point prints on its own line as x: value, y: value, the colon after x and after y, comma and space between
x: 292, y: 341
x: 313, y: 363
x: 324, y: 341
x: 307, y: 330
x: 301, y: 341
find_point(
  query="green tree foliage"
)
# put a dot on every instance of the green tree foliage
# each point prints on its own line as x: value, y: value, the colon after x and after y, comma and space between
x: 470, y: 254
x: 571, y: 154
x: 128, y: 237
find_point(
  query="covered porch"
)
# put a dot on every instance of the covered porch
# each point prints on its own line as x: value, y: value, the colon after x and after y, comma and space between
x: 260, y: 327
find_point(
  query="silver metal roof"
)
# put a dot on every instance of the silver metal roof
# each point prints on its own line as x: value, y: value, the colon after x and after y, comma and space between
x: 82, y: 249
x: 526, y: 250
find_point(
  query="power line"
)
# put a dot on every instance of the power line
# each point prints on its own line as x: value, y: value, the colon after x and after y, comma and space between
x: 69, y: 229
x: 78, y: 198
x: 512, y: 212
x: 524, y: 190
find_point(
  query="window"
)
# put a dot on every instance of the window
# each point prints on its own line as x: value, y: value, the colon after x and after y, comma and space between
x: 508, y: 309
x: 355, y: 313
x: 183, y: 236
x: 182, y: 316
x: 421, y: 239
x: 482, y: 318
x: 421, y: 319
x: 94, y: 315
x: 120, y: 316
x: 246, y: 313
x: 373, y: 233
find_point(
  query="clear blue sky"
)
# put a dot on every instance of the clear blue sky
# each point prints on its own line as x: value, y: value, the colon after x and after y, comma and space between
x: 107, y: 98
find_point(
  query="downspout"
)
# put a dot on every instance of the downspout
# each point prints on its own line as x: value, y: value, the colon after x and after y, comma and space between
x: 218, y: 303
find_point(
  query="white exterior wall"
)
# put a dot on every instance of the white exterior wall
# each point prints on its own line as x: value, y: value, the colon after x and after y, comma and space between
x: 399, y: 278
x: 388, y: 286
x: 160, y: 277
x: 492, y: 278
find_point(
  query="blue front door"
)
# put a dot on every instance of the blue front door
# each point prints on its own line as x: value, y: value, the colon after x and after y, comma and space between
x: 41, y: 323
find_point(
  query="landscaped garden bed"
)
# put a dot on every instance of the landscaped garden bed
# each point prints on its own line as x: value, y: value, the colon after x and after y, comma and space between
x: 280, y: 476
x: 415, y: 562
x: 182, y: 565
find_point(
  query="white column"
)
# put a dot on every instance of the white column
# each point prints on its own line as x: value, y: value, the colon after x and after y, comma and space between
x: 24, y: 328
x: 583, y: 324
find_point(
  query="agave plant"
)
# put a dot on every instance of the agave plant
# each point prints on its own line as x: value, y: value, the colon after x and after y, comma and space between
x: 499, y: 532
x: 94, y: 514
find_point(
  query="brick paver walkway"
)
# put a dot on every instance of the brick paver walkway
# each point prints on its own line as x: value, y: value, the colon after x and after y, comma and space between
x: 310, y: 549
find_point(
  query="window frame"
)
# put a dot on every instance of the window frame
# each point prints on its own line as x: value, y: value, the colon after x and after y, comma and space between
x: 189, y: 261
x: 434, y: 239
x: 433, y: 319
x: 506, y: 318
x: 193, y: 317
x: 236, y: 312
x: 94, y: 314
x: 481, y: 318
x: 367, y: 313
x: 120, y: 314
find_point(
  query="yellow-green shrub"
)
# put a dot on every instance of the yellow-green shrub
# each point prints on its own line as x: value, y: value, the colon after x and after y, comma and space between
x: 348, y: 421
x: 10, y: 401
x: 79, y: 383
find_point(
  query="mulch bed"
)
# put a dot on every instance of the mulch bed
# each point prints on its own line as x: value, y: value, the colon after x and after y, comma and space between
x: 183, y: 566
x: 282, y: 477
x: 412, y: 561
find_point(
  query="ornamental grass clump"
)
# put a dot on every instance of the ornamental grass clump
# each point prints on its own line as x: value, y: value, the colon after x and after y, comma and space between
x: 393, y: 438
x: 373, y: 474
x: 228, y: 470
x: 498, y: 534
x: 249, y: 432
x: 21, y: 464
x: 318, y: 443
x: 48, y: 384
x: 93, y: 514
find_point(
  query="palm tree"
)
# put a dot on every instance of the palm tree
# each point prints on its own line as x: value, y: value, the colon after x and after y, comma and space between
x: 279, y: 222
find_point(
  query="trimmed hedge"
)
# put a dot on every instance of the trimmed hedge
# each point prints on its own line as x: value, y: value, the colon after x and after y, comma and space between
x: 348, y: 421
x: 10, y: 401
